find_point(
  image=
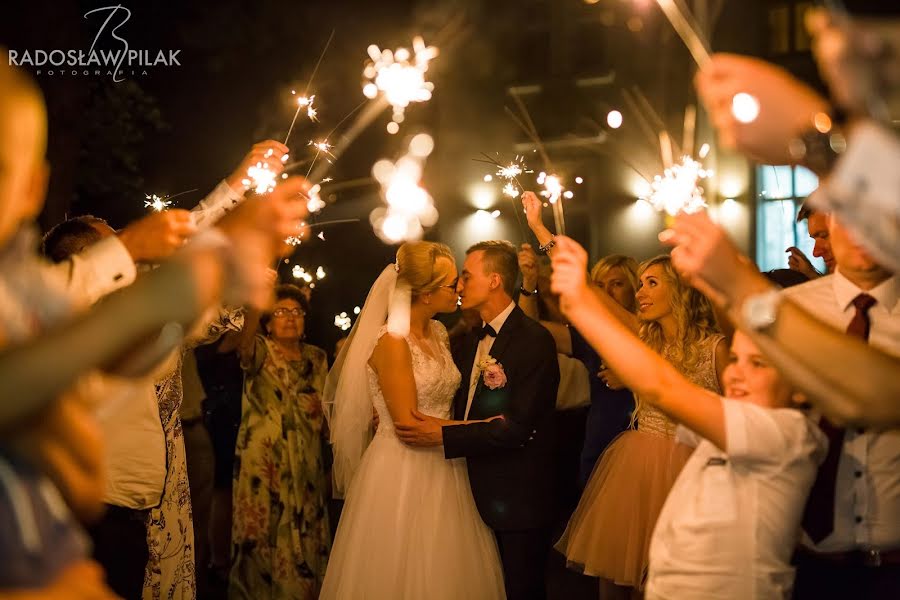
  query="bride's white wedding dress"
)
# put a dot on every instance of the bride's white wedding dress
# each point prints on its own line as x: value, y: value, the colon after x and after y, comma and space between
x: 410, y: 529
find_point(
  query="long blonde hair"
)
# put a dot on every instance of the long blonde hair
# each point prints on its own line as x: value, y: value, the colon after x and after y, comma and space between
x: 695, y: 320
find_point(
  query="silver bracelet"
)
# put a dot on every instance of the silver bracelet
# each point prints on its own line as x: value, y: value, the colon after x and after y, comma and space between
x: 548, y: 246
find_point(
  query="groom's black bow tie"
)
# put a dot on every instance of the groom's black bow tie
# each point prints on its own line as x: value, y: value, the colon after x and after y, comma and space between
x: 487, y: 330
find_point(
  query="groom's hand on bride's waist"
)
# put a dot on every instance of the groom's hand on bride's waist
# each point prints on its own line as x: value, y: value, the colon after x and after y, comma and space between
x: 422, y: 430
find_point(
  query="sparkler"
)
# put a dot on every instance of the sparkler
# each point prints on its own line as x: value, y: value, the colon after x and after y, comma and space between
x: 260, y: 178
x: 684, y: 24
x: 678, y: 188
x: 156, y: 203
x: 305, y: 100
x: 554, y: 192
x: 410, y: 207
x: 400, y: 77
x: 343, y: 321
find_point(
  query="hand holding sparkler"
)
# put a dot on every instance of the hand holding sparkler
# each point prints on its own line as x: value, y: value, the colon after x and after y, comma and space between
x: 533, y: 207
x: 158, y: 235
x: 787, y: 107
x: 269, y: 153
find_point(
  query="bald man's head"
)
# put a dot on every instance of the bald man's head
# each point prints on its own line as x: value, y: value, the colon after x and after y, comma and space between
x: 23, y: 145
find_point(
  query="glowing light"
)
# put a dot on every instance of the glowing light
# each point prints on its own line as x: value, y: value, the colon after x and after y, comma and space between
x: 744, y: 107
x: 356, y: 310
x: 678, y: 189
x: 343, y: 321
x: 393, y: 128
x: 410, y: 207
x: 553, y: 187
x: 156, y: 203
x: 579, y: 180
x: 704, y: 151
x: 400, y: 76
x: 488, y: 178
x: 324, y: 147
x: 307, y: 103
x: 260, y: 178
x: 300, y: 273
x: 510, y: 190
x: 614, y: 119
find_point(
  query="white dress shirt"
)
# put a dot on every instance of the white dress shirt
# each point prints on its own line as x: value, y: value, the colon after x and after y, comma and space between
x: 867, y: 501
x: 484, y: 350
x: 212, y: 208
x: 730, y: 523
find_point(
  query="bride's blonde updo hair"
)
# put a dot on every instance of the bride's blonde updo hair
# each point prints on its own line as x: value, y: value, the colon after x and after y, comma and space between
x: 418, y: 265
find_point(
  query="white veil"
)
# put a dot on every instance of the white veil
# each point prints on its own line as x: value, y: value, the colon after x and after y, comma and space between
x: 348, y: 407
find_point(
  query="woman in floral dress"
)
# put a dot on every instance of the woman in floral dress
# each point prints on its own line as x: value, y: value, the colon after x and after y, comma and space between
x: 280, y: 535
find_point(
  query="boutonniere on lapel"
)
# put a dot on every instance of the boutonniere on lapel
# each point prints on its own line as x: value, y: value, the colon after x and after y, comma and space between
x: 492, y: 373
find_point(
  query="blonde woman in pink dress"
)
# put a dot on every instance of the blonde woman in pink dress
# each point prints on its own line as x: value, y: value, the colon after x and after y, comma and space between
x: 608, y: 535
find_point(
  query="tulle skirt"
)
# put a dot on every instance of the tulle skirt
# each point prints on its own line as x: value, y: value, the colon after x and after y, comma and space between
x: 410, y: 530
x: 609, y: 533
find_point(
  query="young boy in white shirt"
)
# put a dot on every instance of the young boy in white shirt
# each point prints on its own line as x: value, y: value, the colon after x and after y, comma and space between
x: 731, y: 521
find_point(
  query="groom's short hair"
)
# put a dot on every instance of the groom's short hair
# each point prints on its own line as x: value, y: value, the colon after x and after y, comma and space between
x: 500, y: 257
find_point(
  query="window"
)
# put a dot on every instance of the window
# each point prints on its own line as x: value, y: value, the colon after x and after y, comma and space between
x: 787, y: 28
x: 781, y: 192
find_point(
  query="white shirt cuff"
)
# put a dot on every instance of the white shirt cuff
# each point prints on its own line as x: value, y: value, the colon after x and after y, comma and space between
x: 215, y: 205
x: 101, y: 269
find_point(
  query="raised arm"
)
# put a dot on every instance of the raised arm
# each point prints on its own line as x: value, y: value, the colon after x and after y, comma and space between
x: 707, y: 257
x: 175, y: 293
x: 641, y: 369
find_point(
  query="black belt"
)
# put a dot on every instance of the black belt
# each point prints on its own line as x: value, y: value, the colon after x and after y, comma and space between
x: 858, y: 558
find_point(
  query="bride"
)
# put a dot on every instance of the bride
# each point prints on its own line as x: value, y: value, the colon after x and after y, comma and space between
x: 410, y: 528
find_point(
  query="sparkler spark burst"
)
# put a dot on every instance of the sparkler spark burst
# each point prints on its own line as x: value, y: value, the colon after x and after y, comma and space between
x: 260, y: 178
x: 156, y: 203
x: 307, y: 103
x: 510, y: 190
x: 553, y: 188
x: 343, y: 321
x: 410, y: 207
x: 400, y: 76
x: 678, y: 189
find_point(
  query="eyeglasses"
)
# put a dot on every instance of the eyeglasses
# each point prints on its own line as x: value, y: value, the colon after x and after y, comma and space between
x: 280, y: 313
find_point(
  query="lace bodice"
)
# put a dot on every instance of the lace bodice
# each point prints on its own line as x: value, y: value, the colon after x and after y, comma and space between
x: 651, y: 420
x: 437, y: 380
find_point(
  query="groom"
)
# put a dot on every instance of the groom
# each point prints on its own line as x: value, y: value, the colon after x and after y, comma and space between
x: 509, y: 368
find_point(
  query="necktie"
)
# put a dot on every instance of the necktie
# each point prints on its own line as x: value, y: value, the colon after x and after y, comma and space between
x: 485, y: 331
x: 818, y: 519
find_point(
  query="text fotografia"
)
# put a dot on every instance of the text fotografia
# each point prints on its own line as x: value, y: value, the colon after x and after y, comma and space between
x: 116, y: 62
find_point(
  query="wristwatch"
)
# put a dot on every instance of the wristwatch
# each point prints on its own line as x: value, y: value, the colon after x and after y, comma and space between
x: 760, y: 311
x: 526, y: 292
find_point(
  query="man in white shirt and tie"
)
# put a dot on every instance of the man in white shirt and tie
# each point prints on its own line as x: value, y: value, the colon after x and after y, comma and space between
x: 850, y: 546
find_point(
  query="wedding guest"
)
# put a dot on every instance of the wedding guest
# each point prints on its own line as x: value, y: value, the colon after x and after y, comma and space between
x: 729, y: 523
x: 53, y: 435
x: 816, y: 223
x: 280, y: 538
x: 611, y: 403
x: 786, y: 331
x: 609, y: 534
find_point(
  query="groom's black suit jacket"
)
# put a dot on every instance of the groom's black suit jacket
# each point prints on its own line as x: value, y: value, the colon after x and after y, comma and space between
x: 510, y: 460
